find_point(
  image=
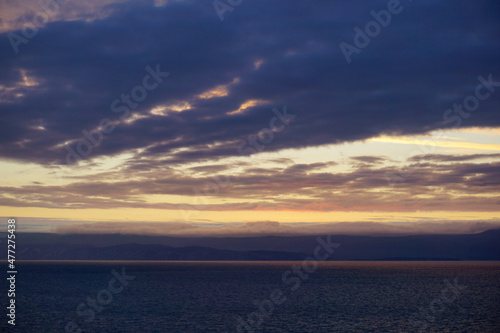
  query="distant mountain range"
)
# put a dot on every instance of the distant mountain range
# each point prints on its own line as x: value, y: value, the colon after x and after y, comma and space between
x: 38, y: 246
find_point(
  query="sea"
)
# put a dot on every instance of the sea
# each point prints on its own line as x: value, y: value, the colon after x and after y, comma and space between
x: 128, y: 296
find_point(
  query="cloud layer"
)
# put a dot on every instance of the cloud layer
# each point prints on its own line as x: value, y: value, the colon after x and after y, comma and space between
x: 65, y: 79
x: 371, y: 185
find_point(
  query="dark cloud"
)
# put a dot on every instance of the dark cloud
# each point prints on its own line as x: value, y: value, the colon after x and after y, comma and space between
x: 452, y: 158
x: 368, y: 159
x: 209, y: 169
x: 303, y: 168
x: 428, y: 58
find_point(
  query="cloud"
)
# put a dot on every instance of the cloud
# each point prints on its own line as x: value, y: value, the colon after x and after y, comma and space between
x: 401, y: 84
x: 368, y: 159
x: 15, y: 13
x: 209, y: 169
x: 423, y: 186
x: 452, y: 158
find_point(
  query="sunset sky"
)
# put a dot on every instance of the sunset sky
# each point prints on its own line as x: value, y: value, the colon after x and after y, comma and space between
x: 117, y: 114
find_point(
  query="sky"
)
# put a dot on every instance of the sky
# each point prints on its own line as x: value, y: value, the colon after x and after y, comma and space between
x: 250, y: 116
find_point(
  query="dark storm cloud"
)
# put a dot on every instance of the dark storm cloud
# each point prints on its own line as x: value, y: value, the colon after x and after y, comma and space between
x: 428, y: 58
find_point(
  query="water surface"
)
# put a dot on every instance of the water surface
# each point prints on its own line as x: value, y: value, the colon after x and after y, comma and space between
x: 211, y: 296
